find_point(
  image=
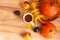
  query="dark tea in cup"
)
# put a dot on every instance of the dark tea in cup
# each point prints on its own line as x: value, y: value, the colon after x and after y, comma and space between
x: 28, y: 17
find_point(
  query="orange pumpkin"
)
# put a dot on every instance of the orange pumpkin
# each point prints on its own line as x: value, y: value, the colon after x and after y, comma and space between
x: 49, y: 8
x: 48, y: 29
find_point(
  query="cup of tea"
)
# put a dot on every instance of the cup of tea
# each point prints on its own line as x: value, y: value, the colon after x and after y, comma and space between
x: 28, y: 18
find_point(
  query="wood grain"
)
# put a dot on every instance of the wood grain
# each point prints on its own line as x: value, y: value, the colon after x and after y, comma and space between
x: 12, y: 23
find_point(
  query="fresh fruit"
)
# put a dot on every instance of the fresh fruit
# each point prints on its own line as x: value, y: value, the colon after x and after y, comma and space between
x: 49, y: 8
x: 27, y: 36
x: 36, y: 29
x: 25, y: 5
x: 48, y: 29
x: 17, y: 12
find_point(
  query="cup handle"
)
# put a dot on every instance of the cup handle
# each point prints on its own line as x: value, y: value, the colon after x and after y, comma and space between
x: 32, y: 23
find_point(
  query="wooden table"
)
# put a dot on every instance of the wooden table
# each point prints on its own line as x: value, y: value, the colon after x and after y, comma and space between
x: 9, y: 21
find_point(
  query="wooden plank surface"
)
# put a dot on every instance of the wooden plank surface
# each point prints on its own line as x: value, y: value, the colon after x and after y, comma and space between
x: 9, y: 21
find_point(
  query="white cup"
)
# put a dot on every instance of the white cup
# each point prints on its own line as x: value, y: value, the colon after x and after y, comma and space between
x: 28, y: 18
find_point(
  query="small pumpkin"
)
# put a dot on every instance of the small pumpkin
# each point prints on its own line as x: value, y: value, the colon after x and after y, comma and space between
x: 48, y: 29
x: 49, y: 8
